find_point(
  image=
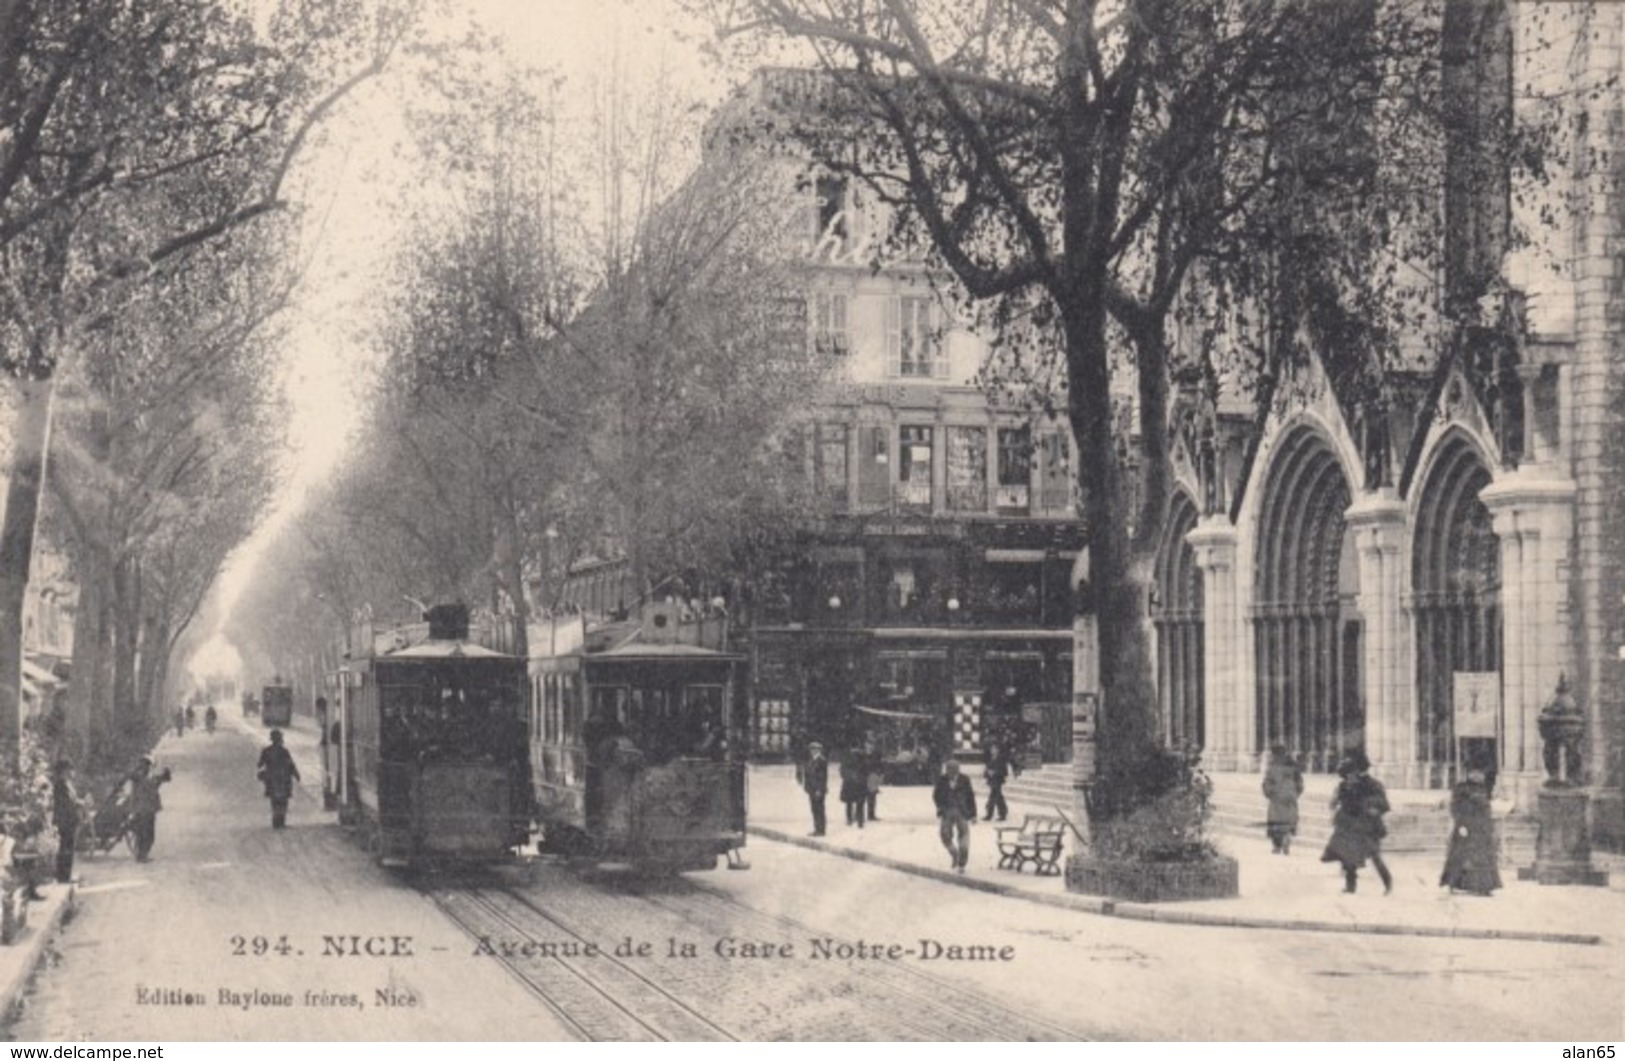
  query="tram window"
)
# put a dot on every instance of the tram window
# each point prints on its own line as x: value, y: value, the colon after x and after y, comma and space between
x: 703, y: 732
x: 550, y: 706
x: 569, y: 704
x: 607, y: 716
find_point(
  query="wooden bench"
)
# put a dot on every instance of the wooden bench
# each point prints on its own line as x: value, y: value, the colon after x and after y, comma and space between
x: 1037, y: 840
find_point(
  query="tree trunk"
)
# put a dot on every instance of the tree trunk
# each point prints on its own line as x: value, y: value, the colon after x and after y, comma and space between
x: 154, y: 657
x: 510, y: 571
x: 1118, y: 586
x: 89, y: 706
x: 126, y: 634
x: 30, y: 442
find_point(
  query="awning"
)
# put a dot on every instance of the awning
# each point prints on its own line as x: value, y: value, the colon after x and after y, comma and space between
x: 908, y: 716
x: 39, y: 675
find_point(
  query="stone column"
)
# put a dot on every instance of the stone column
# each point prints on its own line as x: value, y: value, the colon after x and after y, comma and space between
x: 1377, y: 521
x: 1532, y: 511
x: 1228, y: 723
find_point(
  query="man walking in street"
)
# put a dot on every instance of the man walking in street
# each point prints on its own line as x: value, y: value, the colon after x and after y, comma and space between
x: 815, y: 779
x: 998, y: 772
x: 277, y: 773
x: 956, y: 809
x: 145, y: 803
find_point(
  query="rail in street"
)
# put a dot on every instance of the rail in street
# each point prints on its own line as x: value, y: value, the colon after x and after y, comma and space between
x: 540, y: 931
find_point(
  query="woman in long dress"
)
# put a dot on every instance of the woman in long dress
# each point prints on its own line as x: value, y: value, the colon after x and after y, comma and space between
x: 1283, y: 784
x: 1470, y: 863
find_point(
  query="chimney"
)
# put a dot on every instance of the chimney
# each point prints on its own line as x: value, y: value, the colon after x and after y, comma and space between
x: 448, y: 622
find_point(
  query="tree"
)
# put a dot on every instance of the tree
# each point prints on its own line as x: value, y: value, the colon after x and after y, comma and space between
x: 1165, y: 192
x: 131, y: 136
x: 166, y: 436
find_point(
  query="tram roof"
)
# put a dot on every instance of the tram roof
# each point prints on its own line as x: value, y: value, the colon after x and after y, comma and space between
x: 433, y: 650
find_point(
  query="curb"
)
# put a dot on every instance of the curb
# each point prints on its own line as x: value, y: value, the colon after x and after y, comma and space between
x: 20, y: 960
x: 1146, y: 912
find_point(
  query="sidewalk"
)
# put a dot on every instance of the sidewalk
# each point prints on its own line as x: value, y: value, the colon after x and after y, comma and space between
x: 1295, y: 892
x: 20, y: 958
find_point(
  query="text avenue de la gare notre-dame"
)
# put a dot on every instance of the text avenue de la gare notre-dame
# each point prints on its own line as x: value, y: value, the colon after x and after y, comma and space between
x: 734, y: 948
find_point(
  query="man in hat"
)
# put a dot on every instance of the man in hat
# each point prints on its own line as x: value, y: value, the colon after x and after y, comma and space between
x: 145, y: 803
x: 956, y: 809
x: 815, y: 779
x: 278, y: 773
x: 65, y: 816
x: 1357, y: 826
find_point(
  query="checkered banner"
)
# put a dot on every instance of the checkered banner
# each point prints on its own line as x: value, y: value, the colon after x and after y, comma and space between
x: 967, y: 722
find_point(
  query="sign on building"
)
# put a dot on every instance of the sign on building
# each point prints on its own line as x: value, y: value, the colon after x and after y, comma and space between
x: 1477, y: 698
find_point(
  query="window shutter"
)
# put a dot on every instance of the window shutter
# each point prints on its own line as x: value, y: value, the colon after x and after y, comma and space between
x: 894, y: 336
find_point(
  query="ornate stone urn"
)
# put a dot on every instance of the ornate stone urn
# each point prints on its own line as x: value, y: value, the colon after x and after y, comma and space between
x: 1562, y: 727
x: 1563, y: 849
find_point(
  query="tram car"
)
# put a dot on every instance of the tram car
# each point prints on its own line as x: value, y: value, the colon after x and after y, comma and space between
x: 276, y: 705
x: 437, y: 745
x: 631, y: 753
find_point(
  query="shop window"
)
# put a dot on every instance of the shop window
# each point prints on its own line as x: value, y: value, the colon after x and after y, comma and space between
x: 967, y: 469
x: 773, y: 726
x: 874, y: 468
x: 914, y: 468
x: 1057, y: 473
x: 1015, y: 471
x: 830, y: 454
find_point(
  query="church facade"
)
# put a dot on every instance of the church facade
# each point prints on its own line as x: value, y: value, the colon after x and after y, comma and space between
x: 1421, y: 587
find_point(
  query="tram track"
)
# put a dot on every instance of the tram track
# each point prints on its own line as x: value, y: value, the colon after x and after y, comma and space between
x: 941, y: 1008
x: 597, y: 995
x: 662, y: 994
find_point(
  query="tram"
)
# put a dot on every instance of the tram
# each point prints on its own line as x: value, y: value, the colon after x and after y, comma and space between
x: 634, y: 743
x: 276, y: 705
x: 436, y: 746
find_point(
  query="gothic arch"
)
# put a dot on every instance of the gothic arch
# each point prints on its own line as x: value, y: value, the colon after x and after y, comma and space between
x: 1177, y: 614
x: 1455, y: 594
x: 1306, y: 630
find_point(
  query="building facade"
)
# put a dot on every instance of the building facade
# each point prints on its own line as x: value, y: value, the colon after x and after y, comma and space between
x: 929, y: 599
x: 1418, y: 585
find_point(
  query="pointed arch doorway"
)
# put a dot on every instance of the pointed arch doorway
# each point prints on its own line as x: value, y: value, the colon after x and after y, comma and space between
x: 1307, y: 631
x: 1455, y: 608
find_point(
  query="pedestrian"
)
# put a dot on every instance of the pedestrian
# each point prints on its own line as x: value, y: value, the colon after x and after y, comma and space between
x: 1357, y: 826
x: 996, y: 773
x: 210, y: 717
x: 1469, y: 865
x: 26, y: 856
x: 872, y: 776
x: 65, y: 816
x: 180, y: 722
x: 1283, y: 784
x: 956, y: 809
x: 145, y: 803
x: 815, y: 780
x: 191, y: 717
x: 854, y: 786
x: 277, y: 773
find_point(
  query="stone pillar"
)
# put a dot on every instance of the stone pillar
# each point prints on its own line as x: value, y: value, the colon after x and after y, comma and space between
x: 1532, y: 510
x: 1228, y: 724
x: 1377, y: 521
